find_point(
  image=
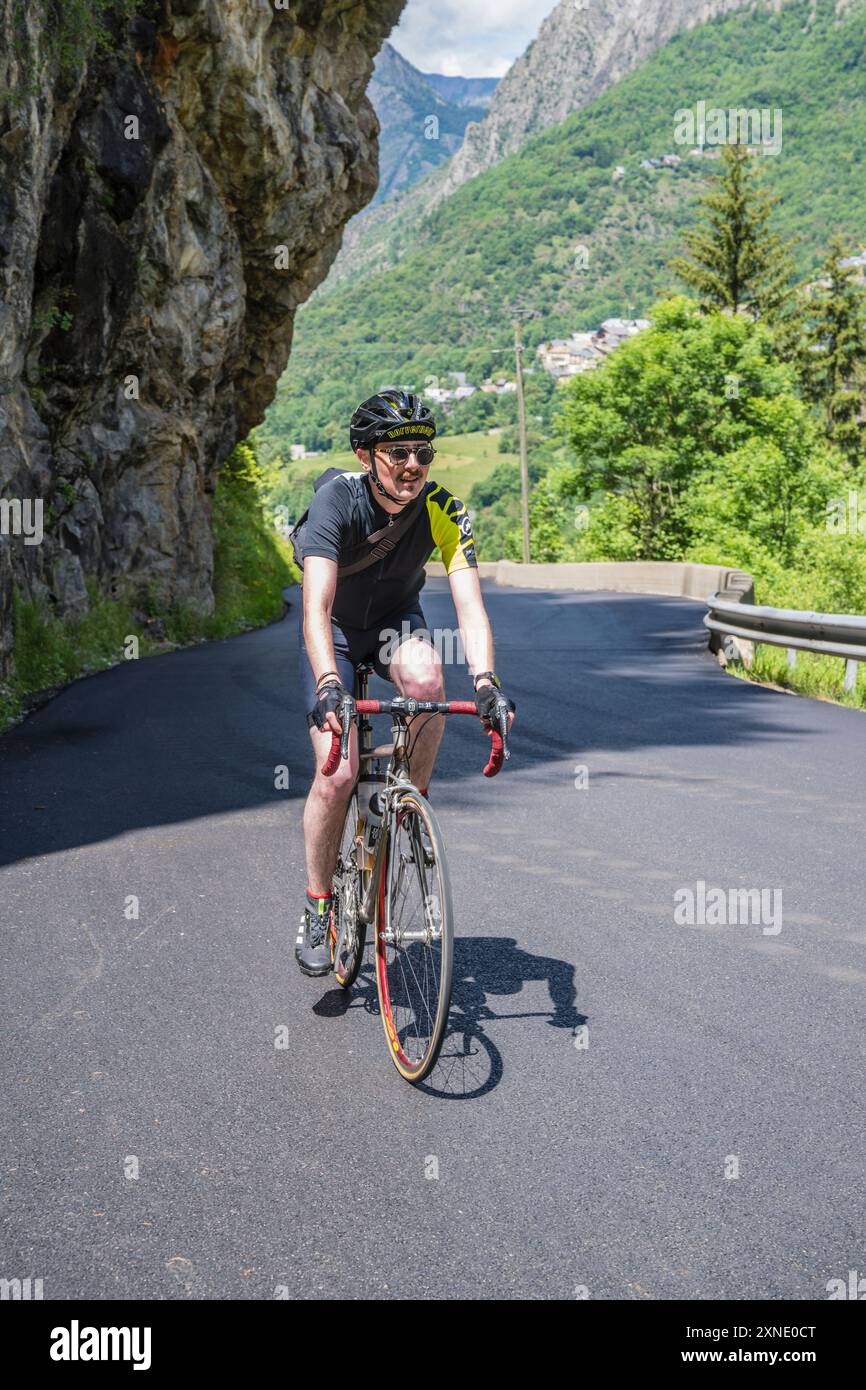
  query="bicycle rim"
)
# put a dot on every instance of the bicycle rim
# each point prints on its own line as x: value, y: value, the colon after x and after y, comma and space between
x: 414, y: 940
x: 347, y: 932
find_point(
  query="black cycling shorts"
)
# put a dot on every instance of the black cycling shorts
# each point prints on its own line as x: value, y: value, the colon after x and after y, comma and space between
x: 354, y: 645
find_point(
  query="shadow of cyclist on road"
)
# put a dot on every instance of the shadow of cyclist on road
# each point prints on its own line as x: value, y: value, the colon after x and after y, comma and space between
x: 485, y: 968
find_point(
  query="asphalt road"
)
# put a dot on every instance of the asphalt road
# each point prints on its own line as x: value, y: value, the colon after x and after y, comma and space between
x: 532, y: 1165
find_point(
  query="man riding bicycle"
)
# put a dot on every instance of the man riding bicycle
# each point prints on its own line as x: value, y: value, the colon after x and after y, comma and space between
x: 361, y: 590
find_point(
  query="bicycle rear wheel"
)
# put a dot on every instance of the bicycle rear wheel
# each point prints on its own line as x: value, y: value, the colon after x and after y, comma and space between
x: 414, y: 938
x: 348, y: 933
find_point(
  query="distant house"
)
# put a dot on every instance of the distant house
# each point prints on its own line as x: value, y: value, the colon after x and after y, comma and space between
x: 297, y: 451
x: 566, y: 357
x: 563, y: 358
x: 624, y: 328
x: 672, y: 160
x: 464, y: 392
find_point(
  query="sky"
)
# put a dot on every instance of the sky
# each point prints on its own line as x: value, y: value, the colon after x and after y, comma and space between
x: 481, y: 39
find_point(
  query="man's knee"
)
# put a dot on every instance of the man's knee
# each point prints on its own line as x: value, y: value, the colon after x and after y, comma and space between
x: 418, y: 669
x: 338, y: 786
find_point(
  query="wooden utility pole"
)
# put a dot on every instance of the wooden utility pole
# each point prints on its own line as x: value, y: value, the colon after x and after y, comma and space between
x: 524, y: 467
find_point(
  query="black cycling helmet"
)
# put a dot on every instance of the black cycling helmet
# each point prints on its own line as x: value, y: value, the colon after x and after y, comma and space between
x: 391, y: 414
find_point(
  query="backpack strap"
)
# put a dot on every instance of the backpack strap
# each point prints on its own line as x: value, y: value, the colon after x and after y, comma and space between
x: 375, y: 547
x: 383, y: 541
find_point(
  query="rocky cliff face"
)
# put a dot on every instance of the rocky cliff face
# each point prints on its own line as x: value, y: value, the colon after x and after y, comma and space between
x: 165, y: 205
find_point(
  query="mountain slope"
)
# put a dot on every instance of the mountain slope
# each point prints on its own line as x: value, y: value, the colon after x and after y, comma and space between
x: 405, y: 100
x: 515, y: 231
x: 476, y: 92
x: 583, y: 47
x: 581, y: 50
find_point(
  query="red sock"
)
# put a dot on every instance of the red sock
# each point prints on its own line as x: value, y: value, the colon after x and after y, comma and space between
x: 425, y: 791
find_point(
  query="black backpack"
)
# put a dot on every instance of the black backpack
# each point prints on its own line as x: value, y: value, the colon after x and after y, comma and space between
x: 374, y: 548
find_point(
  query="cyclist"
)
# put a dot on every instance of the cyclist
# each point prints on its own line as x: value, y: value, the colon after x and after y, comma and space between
x: 374, y: 613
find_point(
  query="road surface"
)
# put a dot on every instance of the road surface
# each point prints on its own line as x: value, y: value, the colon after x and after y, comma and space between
x: 627, y: 1108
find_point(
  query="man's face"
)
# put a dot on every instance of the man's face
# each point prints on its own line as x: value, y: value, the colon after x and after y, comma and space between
x: 403, y: 476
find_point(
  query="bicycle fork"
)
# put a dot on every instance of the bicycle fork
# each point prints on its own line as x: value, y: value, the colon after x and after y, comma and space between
x: 386, y: 840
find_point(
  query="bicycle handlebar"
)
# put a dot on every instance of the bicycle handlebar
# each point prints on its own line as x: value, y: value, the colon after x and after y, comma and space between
x: 404, y: 705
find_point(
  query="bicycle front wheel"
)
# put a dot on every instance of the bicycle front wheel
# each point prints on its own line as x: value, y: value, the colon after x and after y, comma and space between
x: 414, y: 938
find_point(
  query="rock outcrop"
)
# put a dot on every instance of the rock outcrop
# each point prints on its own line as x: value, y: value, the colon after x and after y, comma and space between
x: 166, y: 203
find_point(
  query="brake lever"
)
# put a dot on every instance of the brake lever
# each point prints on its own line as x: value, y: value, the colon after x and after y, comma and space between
x: 502, y: 713
x: 346, y: 719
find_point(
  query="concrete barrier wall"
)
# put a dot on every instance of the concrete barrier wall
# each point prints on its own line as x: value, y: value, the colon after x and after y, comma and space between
x: 678, y: 580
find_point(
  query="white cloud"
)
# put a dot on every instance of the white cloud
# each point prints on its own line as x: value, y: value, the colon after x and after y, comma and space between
x: 481, y: 40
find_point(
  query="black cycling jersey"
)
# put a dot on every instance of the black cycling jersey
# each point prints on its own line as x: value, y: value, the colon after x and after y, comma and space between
x: 343, y: 513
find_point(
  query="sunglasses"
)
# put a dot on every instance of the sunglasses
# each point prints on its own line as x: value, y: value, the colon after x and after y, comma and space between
x: 401, y: 453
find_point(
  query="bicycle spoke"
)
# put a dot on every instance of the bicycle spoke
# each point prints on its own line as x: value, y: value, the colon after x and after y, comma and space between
x: 413, y: 978
x: 347, y: 945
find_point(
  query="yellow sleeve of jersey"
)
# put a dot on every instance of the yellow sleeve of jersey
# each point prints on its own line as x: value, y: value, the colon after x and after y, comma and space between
x: 451, y: 530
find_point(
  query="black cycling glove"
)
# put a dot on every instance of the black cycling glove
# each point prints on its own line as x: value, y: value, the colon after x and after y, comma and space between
x: 332, y: 696
x: 488, y: 702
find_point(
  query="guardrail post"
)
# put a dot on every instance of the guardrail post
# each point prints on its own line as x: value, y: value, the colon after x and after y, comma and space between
x: 850, y: 676
x: 792, y: 658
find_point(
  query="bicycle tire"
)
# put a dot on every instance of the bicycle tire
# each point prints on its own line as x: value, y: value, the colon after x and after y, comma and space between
x: 348, y: 880
x: 402, y: 1019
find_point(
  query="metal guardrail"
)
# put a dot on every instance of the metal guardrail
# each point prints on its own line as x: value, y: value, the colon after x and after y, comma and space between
x: 830, y: 634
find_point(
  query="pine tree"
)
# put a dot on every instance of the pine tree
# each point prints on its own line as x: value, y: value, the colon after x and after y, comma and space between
x: 734, y: 261
x: 833, y: 360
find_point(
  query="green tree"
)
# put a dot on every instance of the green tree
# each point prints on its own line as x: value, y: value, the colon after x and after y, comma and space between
x: 833, y: 358
x: 664, y: 409
x: 734, y: 261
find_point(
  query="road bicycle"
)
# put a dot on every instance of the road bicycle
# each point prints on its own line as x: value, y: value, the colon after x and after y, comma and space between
x: 392, y: 876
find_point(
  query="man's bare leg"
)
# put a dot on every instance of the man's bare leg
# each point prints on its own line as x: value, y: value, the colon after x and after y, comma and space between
x: 416, y: 670
x: 325, y: 811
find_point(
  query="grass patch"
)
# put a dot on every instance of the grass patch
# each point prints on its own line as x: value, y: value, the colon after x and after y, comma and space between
x: 49, y: 651
x: 252, y: 564
x: 820, y: 677
x: 462, y: 460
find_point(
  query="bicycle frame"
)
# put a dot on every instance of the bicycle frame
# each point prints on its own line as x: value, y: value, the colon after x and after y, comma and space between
x: 397, y: 781
x: 398, y: 835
